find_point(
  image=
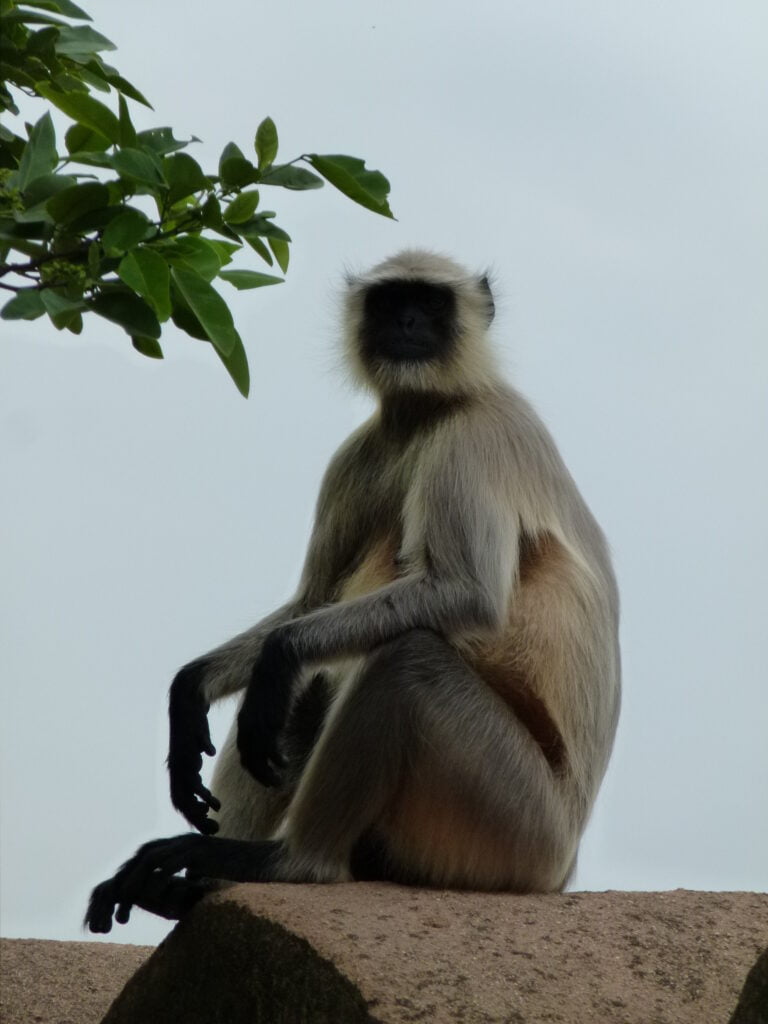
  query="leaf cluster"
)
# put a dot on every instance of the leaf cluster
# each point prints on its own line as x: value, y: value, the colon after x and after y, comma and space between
x: 126, y: 224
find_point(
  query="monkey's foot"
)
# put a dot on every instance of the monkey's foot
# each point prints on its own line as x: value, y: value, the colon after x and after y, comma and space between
x: 167, y: 897
x: 148, y: 880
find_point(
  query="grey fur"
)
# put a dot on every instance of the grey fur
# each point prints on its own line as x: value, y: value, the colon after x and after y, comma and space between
x: 459, y: 596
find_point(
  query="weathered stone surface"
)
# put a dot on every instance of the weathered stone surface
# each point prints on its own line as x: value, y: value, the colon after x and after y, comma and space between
x: 300, y: 953
x: 752, y: 1007
x: 43, y: 982
x: 284, y: 954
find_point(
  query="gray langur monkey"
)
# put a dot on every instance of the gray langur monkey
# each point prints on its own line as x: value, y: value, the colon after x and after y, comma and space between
x: 438, y: 702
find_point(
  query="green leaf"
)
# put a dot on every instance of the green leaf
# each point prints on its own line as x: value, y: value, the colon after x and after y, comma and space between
x: 147, y: 347
x: 83, y: 108
x: 63, y: 312
x: 138, y: 164
x: 71, y: 203
x: 224, y: 250
x: 42, y: 44
x: 93, y: 220
x: 146, y: 273
x: 56, y: 304
x: 65, y: 82
x: 258, y: 246
x: 125, y: 231
x: 21, y: 238
x: 25, y: 305
x: 281, y: 251
x: 242, y: 207
x: 76, y: 40
x: 125, y: 308
x: 265, y: 143
x: 82, y: 138
x: 75, y: 323
x: 94, y: 260
x: 194, y: 253
x: 184, y: 176
x: 288, y: 176
x: 127, y: 131
x: 92, y: 78
x: 65, y: 7
x: 262, y: 226
x: 184, y: 318
x: 212, y: 213
x: 243, y: 279
x: 230, y: 152
x: 48, y: 185
x: 234, y: 170
x: 40, y: 156
x: 92, y: 159
x: 28, y: 18
x: 209, y: 308
x: 34, y: 214
x: 124, y: 86
x: 349, y: 175
x: 236, y: 364
x: 161, y: 140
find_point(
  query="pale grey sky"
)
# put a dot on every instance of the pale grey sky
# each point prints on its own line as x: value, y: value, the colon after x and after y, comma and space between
x: 609, y: 160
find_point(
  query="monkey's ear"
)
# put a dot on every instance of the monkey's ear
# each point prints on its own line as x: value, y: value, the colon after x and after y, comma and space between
x: 485, y: 286
x: 349, y: 279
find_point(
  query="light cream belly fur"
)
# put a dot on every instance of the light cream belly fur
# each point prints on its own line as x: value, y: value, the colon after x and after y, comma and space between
x: 505, y: 660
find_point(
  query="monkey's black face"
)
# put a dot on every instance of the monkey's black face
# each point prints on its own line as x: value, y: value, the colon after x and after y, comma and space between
x: 408, y: 321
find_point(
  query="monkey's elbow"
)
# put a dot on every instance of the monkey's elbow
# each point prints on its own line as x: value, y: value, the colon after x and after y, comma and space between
x: 492, y: 612
x: 482, y: 609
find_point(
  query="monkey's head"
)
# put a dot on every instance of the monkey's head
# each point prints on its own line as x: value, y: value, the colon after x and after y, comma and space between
x: 419, y: 322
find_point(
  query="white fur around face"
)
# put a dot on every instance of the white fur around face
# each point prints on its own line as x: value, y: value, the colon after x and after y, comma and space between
x: 472, y: 366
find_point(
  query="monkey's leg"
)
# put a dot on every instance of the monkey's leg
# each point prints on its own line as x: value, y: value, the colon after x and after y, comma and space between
x: 250, y: 810
x: 416, y: 748
x: 167, y: 897
x: 420, y: 751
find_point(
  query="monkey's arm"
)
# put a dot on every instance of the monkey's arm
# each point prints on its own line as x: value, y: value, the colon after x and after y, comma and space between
x: 464, y: 551
x: 223, y: 671
x: 229, y: 667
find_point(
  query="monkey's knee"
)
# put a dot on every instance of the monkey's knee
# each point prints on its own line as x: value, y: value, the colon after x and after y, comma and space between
x: 415, y: 655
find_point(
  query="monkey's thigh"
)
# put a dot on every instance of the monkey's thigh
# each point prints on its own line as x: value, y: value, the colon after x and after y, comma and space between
x: 248, y: 809
x: 419, y: 751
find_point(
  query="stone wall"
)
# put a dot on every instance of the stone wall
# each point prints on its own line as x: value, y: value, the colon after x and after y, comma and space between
x: 283, y: 954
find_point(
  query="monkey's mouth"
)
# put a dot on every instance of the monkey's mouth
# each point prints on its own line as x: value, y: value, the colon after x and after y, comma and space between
x: 407, y: 351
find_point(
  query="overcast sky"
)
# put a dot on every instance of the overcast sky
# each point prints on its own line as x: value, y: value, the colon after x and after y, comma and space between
x: 609, y: 161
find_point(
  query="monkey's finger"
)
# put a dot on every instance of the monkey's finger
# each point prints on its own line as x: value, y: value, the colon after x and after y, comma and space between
x: 197, y: 816
x: 207, y: 826
x: 196, y: 813
x: 204, y: 735
x: 98, y: 916
x: 164, y: 857
x: 123, y: 913
x: 207, y: 796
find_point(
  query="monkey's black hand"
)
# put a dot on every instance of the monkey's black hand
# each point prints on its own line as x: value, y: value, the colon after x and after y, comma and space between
x: 265, y: 708
x: 189, y: 740
x: 147, y: 881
